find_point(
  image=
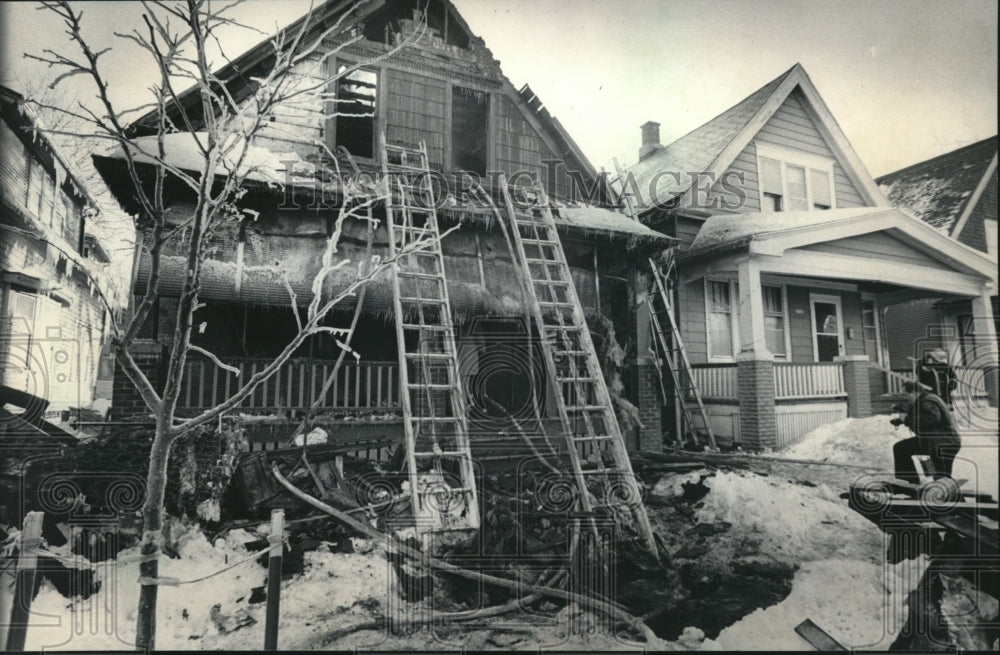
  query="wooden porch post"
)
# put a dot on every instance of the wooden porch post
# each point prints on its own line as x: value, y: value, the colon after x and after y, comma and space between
x: 751, y: 312
x: 755, y: 364
x: 986, y: 342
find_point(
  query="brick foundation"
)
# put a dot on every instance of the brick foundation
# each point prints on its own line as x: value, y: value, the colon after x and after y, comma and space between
x: 650, y: 409
x: 857, y: 384
x: 755, y: 381
x: 126, y: 403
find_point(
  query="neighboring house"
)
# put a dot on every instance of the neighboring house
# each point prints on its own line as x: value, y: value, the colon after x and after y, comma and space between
x: 448, y: 92
x: 956, y: 194
x: 52, y: 270
x: 788, y: 255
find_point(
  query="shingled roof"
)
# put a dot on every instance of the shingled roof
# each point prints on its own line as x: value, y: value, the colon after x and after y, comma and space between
x: 938, y: 190
x: 713, y: 146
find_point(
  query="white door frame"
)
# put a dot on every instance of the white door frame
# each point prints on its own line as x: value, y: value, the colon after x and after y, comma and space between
x: 835, y: 301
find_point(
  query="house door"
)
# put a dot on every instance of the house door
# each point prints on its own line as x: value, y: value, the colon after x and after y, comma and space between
x: 828, y: 327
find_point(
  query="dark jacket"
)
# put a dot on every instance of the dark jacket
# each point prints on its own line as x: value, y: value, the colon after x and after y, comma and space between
x: 929, y: 417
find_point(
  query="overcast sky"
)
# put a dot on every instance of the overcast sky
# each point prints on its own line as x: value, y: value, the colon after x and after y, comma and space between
x: 906, y: 79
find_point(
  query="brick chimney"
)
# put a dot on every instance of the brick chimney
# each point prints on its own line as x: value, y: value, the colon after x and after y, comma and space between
x: 650, y: 139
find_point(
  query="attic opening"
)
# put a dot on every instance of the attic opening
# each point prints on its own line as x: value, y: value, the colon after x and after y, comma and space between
x: 403, y: 17
x: 470, y: 111
x: 357, y: 93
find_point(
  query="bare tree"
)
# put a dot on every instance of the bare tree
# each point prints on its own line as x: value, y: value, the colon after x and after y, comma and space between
x: 178, y: 37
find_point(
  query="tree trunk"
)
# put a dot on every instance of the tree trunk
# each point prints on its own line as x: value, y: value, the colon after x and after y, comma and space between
x: 152, y: 536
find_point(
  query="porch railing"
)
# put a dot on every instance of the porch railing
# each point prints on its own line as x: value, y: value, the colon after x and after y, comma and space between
x: 359, y: 386
x: 716, y: 382
x: 816, y: 380
x: 971, y: 382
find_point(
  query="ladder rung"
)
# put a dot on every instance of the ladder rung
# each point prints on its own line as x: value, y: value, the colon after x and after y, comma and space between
x: 446, y: 356
x: 432, y: 386
x: 549, y: 303
x: 535, y: 260
x: 421, y: 300
x: 443, y: 453
x: 434, y: 419
x: 576, y: 379
x: 596, y: 437
x: 607, y: 470
x: 544, y: 242
x: 585, y: 408
x: 422, y: 276
x: 432, y: 328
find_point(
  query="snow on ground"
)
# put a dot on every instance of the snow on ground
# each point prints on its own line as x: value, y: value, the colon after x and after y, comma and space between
x: 861, y: 442
x: 794, y: 523
x: 860, y: 604
x: 332, y: 584
x: 869, y: 441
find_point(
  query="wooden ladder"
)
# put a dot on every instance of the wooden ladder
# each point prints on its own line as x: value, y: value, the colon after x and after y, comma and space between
x: 438, y: 455
x: 594, y: 441
x: 669, y: 350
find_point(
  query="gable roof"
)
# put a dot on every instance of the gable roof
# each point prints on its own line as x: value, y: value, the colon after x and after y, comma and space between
x: 237, y: 76
x: 713, y: 146
x: 772, y: 233
x: 942, y: 191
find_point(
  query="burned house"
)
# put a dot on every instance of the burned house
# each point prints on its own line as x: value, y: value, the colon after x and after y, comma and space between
x: 52, y: 271
x: 444, y: 90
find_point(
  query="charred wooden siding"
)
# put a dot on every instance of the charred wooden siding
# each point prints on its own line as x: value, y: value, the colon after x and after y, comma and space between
x: 518, y: 146
x: 415, y: 112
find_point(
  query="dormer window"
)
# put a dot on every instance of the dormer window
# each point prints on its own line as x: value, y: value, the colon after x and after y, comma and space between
x: 793, y: 181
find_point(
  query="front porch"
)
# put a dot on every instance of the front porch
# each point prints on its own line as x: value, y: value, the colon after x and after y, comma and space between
x: 781, y: 315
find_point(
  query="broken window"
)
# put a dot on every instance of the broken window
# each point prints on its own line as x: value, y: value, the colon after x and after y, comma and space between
x: 357, y: 93
x: 470, y: 111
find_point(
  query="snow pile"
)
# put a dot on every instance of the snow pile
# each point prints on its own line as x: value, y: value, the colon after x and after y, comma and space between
x: 215, y: 613
x: 861, y: 442
x: 794, y: 523
x: 860, y: 604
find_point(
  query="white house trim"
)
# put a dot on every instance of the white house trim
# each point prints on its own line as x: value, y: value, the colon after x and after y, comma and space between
x: 821, y: 264
x: 956, y: 229
x: 836, y: 302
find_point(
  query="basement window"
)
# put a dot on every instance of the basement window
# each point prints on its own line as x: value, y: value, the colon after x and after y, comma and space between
x: 357, y: 93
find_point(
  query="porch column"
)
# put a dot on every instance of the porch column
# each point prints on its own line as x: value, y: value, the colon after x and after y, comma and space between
x: 755, y: 364
x: 986, y: 342
x: 857, y: 385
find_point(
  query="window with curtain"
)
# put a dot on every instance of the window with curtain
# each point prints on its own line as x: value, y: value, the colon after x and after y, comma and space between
x: 774, y: 320
x: 720, y: 318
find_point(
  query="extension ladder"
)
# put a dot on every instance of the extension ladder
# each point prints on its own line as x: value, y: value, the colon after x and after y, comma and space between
x: 588, y: 419
x: 670, y: 351
x: 438, y: 456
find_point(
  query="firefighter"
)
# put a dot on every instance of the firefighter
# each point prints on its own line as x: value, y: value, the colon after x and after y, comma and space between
x: 935, y: 436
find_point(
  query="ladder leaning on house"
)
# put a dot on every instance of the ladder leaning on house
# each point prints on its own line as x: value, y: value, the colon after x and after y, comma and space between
x: 670, y: 354
x: 587, y: 417
x: 438, y: 454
